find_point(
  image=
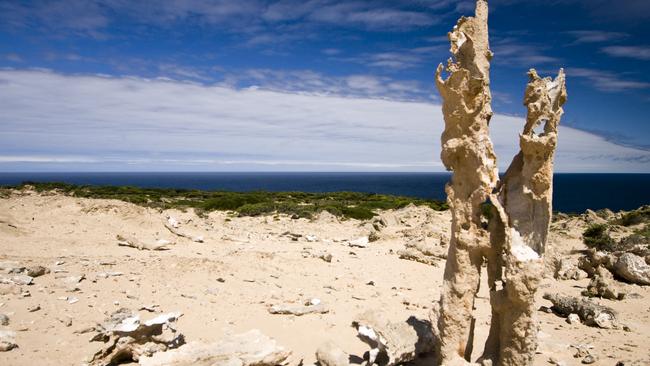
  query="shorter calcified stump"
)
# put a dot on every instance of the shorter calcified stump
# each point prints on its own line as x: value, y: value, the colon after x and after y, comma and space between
x: 513, y: 241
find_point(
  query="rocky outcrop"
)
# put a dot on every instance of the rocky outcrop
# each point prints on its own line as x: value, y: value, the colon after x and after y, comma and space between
x: 567, y: 269
x: 126, y: 338
x: 513, y: 236
x: 423, y: 251
x: 394, y: 343
x: 603, y: 285
x: 633, y: 268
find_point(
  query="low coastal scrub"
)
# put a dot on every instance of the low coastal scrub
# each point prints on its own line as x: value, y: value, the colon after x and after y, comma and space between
x: 638, y: 216
x: 354, y: 205
x: 597, y: 236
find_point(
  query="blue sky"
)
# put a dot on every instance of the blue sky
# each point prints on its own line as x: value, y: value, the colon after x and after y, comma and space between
x: 303, y: 85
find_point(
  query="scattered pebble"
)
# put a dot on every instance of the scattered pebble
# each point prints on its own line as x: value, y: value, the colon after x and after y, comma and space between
x: 573, y: 319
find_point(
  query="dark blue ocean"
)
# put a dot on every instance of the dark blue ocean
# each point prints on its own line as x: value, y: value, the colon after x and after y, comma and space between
x: 572, y: 192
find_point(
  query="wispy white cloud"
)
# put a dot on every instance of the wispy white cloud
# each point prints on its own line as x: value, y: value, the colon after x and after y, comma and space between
x: 368, y: 14
x: 103, y: 123
x: 254, y: 17
x: 607, y: 81
x: 80, y: 17
x: 596, y: 36
x: 315, y: 83
x: 510, y: 51
x: 635, y: 52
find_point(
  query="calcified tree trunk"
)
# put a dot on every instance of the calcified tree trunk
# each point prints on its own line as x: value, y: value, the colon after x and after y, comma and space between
x: 513, y: 242
x: 467, y: 151
x: 520, y: 226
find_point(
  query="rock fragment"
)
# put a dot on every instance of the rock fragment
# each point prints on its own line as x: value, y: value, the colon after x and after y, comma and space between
x: 127, y: 338
x: 327, y: 257
x: 20, y: 280
x: 589, y: 359
x: 298, y: 309
x: 106, y: 275
x: 573, y: 319
x: 394, y: 343
x: 633, y: 268
x: 4, y: 319
x: 589, y: 312
x: 247, y: 349
x: 423, y: 251
x: 567, y: 269
x: 329, y: 354
x: 603, y: 285
x: 135, y: 243
x: 361, y: 242
x: 36, y: 271
x: 7, y: 340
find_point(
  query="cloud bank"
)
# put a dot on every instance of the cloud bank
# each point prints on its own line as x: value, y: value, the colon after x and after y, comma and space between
x: 52, y: 121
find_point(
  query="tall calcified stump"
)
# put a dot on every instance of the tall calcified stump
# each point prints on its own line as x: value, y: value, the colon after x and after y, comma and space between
x: 467, y: 152
x: 521, y: 225
x: 513, y: 241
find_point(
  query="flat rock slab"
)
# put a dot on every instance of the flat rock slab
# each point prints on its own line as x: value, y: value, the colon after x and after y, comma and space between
x: 298, y: 310
x: 247, y: 349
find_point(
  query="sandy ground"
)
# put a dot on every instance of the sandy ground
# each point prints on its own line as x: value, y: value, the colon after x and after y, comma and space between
x: 226, y: 284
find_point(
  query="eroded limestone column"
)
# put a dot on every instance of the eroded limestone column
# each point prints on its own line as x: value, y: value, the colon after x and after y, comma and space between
x: 525, y: 195
x: 466, y: 151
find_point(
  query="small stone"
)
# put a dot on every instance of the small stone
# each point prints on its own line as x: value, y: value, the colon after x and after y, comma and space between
x: 329, y: 354
x: 361, y: 242
x: 34, y: 308
x: 573, y: 319
x: 327, y: 257
x: 105, y: 275
x: 4, y: 319
x: 72, y: 300
x: 67, y: 321
x: 589, y: 359
x: 7, y: 340
x: 546, y: 309
x: 36, y: 271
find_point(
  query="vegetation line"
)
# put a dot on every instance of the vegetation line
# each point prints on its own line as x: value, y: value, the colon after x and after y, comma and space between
x: 354, y: 205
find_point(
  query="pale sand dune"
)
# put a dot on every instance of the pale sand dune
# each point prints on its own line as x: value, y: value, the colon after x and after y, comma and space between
x: 225, y: 285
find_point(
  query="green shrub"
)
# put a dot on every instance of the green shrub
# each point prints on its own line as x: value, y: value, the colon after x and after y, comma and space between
x: 597, y: 236
x: 635, y: 217
x: 358, y: 213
